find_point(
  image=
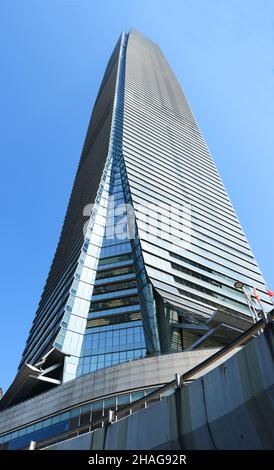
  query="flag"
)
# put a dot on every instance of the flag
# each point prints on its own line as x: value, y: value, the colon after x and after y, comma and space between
x: 256, y: 295
x: 270, y: 293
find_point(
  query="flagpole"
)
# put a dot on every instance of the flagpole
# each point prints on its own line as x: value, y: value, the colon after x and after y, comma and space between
x: 256, y: 296
x: 251, y: 306
x: 240, y: 286
x: 270, y: 295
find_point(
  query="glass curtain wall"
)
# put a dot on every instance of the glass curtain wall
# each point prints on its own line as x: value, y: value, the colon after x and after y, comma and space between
x: 114, y: 331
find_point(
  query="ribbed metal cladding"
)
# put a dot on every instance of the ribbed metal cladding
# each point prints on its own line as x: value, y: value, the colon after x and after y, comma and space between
x: 168, y: 162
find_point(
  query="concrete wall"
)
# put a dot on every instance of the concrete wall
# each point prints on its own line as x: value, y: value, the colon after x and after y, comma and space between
x: 128, y: 376
x: 231, y: 407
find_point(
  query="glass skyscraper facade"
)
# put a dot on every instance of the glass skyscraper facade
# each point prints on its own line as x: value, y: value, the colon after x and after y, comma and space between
x: 151, y: 246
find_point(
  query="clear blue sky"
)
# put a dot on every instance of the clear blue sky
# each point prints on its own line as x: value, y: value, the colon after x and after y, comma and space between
x: 53, y: 55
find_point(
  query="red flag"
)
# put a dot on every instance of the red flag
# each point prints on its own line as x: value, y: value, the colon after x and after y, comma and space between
x: 256, y: 295
x: 270, y: 293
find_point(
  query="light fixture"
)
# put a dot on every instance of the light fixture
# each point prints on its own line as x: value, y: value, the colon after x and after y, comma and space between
x: 238, y: 285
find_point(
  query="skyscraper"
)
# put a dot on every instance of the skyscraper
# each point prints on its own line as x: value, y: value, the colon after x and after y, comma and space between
x: 151, y: 246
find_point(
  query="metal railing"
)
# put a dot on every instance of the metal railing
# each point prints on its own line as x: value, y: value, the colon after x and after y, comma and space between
x: 179, y: 381
x: 190, y: 375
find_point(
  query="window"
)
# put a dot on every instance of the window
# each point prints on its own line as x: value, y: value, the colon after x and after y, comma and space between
x: 114, y: 272
x: 113, y: 303
x: 114, y: 259
x: 101, y: 321
x: 114, y: 287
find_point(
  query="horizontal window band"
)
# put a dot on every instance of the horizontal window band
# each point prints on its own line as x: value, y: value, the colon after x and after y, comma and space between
x: 109, y: 320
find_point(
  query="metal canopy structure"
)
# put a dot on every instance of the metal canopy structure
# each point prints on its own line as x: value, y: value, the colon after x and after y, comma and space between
x: 33, y: 379
x: 223, y: 325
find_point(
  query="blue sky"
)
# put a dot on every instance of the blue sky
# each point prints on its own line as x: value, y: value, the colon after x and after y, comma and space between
x: 53, y: 55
